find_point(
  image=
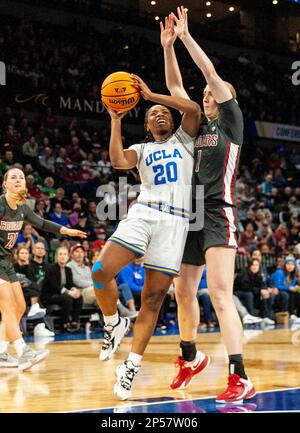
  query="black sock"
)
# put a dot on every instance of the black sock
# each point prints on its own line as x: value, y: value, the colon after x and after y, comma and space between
x: 188, y: 350
x: 236, y: 365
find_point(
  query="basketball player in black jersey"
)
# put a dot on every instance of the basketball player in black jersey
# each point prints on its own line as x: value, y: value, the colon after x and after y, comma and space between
x: 216, y: 154
x: 13, y: 212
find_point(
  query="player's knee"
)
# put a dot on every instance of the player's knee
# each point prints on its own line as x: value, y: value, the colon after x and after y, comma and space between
x: 221, y: 296
x: 155, y: 299
x: 98, y: 275
x: 184, y: 296
x: 20, y: 309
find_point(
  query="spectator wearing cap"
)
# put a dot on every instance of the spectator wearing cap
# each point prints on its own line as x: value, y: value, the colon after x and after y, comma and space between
x: 286, y: 281
x: 82, y: 275
x: 85, y: 226
x: 101, y: 239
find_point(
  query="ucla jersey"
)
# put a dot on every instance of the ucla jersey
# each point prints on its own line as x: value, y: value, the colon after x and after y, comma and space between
x: 165, y: 169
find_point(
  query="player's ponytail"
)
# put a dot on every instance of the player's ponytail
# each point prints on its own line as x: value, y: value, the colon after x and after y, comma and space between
x: 232, y: 90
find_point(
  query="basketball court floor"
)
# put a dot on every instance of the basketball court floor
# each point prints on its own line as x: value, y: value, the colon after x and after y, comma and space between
x: 73, y: 380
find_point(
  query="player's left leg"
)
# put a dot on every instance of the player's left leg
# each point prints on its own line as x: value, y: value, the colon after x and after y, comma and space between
x: 220, y: 275
x: 29, y: 356
x: 156, y: 286
x: 191, y: 361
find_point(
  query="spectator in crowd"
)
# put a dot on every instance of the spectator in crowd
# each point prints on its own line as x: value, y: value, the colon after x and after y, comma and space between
x: 83, y: 224
x: 40, y: 209
x: 248, y: 238
x: 30, y: 289
x: 101, y: 239
x: 104, y: 164
x: 134, y: 276
x: 34, y: 191
x: 267, y: 185
x: 248, y: 287
x: 57, y: 215
x: 38, y: 263
x: 28, y: 236
x: 286, y: 281
x: 74, y: 215
x: 277, y: 299
x: 82, y: 276
x: 30, y: 151
x: 49, y: 186
x: 60, y: 198
x: 47, y: 161
x: 58, y: 288
x: 92, y: 216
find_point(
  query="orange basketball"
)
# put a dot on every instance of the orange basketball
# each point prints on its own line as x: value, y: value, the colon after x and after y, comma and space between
x: 118, y: 93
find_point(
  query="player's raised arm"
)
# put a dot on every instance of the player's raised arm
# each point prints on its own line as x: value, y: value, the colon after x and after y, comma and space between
x: 218, y: 87
x: 172, y: 71
x: 190, y: 109
x: 119, y: 158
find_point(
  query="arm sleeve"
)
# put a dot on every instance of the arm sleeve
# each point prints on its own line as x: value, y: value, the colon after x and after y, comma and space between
x: 40, y: 223
x: 231, y: 120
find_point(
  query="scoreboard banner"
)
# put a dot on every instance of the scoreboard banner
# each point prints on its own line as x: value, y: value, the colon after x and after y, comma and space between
x: 275, y: 131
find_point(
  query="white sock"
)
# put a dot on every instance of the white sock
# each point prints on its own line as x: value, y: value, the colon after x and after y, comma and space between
x: 19, y: 346
x: 111, y: 320
x: 135, y: 358
x: 4, y: 346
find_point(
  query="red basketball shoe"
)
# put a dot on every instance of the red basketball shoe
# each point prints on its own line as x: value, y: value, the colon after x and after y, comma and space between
x: 238, y: 389
x: 187, y: 370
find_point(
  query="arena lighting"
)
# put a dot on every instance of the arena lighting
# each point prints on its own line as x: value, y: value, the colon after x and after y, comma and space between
x: 208, y: 3
x: 231, y: 9
x: 208, y: 15
x: 156, y: 18
x: 186, y: 9
x: 153, y: 2
x: 275, y: 2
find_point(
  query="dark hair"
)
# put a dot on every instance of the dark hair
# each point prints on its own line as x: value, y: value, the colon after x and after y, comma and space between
x: 252, y: 262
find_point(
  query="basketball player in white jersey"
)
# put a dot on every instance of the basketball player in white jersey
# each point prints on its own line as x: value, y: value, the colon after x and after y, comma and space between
x: 156, y: 226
